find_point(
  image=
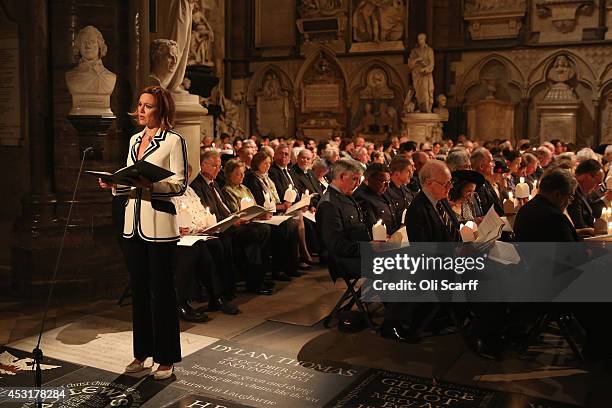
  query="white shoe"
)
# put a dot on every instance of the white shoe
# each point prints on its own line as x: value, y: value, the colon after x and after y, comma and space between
x: 163, y: 374
x: 135, y: 367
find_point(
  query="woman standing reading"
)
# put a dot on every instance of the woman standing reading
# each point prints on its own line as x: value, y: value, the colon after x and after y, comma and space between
x: 151, y: 232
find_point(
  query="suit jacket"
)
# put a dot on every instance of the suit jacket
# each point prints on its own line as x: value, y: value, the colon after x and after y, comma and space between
x: 580, y: 211
x: 256, y: 186
x: 150, y: 213
x: 208, y: 196
x: 540, y: 221
x: 423, y: 224
x: 340, y: 224
x: 399, y: 198
x: 487, y: 197
x: 306, y: 180
x: 280, y: 180
x: 376, y: 207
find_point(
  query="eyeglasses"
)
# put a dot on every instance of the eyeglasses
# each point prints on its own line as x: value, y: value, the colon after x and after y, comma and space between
x: 447, y: 185
x: 214, y: 166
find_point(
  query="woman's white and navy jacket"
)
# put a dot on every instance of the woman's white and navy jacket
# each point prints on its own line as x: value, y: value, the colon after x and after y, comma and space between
x: 149, y: 212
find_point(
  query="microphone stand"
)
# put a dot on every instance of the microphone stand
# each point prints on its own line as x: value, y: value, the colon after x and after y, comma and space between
x: 37, y: 353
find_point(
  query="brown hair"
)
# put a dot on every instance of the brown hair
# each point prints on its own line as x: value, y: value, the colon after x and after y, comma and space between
x: 165, y: 106
x: 259, y: 158
x: 232, y: 165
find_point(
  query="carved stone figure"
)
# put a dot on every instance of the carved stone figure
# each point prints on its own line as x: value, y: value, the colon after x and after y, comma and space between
x: 181, y: 12
x: 564, y: 13
x: 376, y: 86
x: 441, y: 109
x: 387, y: 119
x: 368, y: 119
x: 393, y: 20
x: 480, y: 6
x: 90, y: 83
x: 230, y: 121
x: 321, y: 8
x: 560, y: 73
x: 490, y: 83
x: 164, y: 62
x: 422, y: 62
x: 202, y: 38
x: 367, y: 22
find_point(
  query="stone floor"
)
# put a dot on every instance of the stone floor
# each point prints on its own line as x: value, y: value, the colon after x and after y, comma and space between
x: 97, y: 336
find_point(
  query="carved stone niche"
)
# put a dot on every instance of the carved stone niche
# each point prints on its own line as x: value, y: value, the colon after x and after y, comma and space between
x: 322, y: 95
x: 564, y: 13
x: 273, y: 105
x: 322, y: 22
x: 491, y: 118
x: 489, y: 19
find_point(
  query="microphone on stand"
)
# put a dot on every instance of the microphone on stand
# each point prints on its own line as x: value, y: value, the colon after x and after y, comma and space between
x: 37, y: 353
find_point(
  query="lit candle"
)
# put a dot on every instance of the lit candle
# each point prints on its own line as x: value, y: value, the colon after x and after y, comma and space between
x: 609, y: 183
x: 246, y: 203
x: 379, y: 231
x: 184, y: 218
x: 510, y: 204
x: 290, y: 194
x: 610, y: 228
x: 522, y: 189
x: 209, y: 219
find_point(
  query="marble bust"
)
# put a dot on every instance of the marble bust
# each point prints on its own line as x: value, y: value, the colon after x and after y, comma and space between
x: 90, y: 83
x: 441, y: 109
x: 164, y: 62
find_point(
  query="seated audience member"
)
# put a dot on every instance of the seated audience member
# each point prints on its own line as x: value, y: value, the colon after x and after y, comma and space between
x: 544, y: 156
x: 419, y: 159
x: 246, y: 240
x: 346, y: 148
x: 513, y: 160
x: 399, y: 195
x: 461, y: 195
x: 499, y: 182
x: 361, y: 155
x: 370, y: 196
x: 282, y: 177
x: 284, y: 240
x: 245, y: 154
x: 234, y: 191
x: 486, y: 196
x: 305, y: 180
x: 589, y: 176
x: 458, y: 160
x: 531, y: 166
x: 430, y: 217
x: 321, y: 170
x: 206, y: 259
x: 543, y: 220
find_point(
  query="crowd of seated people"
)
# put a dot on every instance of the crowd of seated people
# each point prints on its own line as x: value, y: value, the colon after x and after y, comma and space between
x: 429, y: 188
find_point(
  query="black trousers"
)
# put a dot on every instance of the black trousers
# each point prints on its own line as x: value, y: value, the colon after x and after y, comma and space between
x: 249, y: 243
x: 284, y: 247
x: 203, y: 263
x: 154, y: 308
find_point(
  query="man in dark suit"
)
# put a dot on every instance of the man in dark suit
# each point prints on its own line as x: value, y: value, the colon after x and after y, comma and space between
x: 279, y: 171
x: 399, y: 195
x: 542, y: 220
x: 305, y: 180
x: 371, y: 198
x: 247, y: 239
x: 482, y: 162
x: 430, y: 217
x: 589, y: 175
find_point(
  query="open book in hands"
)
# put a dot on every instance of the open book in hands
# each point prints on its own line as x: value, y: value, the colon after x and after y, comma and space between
x: 130, y: 175
x: 491, y: 227
x: 247, y: 214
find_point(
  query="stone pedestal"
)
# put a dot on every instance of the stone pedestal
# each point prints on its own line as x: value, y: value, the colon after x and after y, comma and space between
x: 558, y: 121
x: 93, y: 132
x: 189, y: 114
x: 491, y: 119
x: 423, y: 127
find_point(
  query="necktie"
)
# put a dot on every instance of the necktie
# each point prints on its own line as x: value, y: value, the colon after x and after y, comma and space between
x: 287, y: 176
x: 445, y: 219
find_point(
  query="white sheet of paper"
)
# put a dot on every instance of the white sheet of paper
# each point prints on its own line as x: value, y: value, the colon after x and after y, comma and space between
x: 275, y: 220
x: 303, y: 203
x: 309, y: 215
x: 400, y: 236
x: 505, y: 253
x: 507, y: 226
x: 490, y: 228
x: 190, y: 240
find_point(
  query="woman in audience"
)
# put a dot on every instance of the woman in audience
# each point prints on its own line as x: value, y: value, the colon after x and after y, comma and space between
x: 284, y: 237
x: 461, y: 195
x: 234, y: 191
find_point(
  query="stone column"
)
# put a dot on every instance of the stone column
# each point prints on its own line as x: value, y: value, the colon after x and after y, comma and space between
x: 189, y: 114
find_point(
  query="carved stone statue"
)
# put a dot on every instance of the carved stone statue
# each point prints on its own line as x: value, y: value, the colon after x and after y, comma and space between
x: 441, y: 109
x: 561, y: 73
x: 164, y: 61
x: 393, y: 20
x: 387, y: 119
x: 202, y: 38
x: 421, y: 62
x: 272, y: 106
x: 181, y: 12
x: 368, y: 119
x: 366, y: 21
x: 90, y: 83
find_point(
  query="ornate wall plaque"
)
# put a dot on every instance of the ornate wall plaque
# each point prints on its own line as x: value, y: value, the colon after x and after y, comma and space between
x: 321, y: 97
x: 490, y: 19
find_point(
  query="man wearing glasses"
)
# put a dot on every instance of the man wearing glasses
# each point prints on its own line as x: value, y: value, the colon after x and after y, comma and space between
x: 430, y: 217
